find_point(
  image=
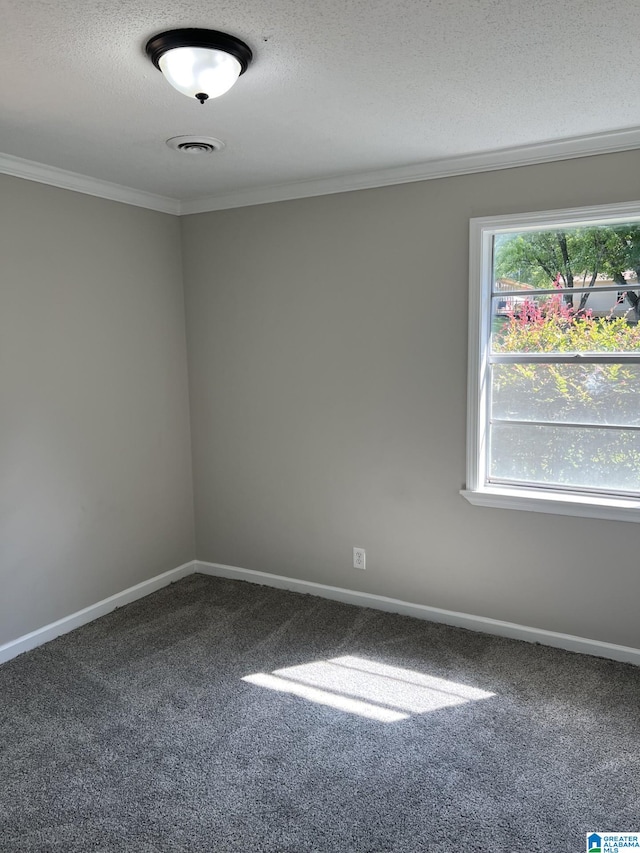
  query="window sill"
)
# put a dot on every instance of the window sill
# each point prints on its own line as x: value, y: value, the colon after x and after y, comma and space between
x: 556, y: 503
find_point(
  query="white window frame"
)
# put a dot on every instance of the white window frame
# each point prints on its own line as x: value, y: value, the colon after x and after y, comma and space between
x: 478, y: 490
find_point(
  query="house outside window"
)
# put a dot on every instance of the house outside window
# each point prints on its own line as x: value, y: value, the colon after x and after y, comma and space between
x: 554, y: 362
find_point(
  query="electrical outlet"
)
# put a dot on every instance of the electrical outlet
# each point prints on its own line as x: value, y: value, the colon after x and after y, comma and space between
x: 359, y: 558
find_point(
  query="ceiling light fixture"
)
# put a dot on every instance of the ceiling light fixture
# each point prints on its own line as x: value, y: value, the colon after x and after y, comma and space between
x: 201, y: 64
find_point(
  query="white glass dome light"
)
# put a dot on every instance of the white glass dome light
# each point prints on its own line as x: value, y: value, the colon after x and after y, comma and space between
x: 201, y: 64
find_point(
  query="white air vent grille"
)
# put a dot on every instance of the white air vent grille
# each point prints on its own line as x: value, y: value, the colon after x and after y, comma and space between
x: 195, y: 144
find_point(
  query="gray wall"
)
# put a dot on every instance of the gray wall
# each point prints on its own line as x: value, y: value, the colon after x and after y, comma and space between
x: 95, y: 469
x: 327, y: 356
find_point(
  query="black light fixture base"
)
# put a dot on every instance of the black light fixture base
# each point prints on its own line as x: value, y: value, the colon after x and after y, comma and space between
x: 212, y: 39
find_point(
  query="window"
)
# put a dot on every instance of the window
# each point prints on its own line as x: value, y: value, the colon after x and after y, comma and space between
x: 554, y: 362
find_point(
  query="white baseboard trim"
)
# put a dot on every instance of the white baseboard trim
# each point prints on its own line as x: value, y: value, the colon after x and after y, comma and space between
x: 362, y: 599
x: 431, y: 614
x: 94, y: 611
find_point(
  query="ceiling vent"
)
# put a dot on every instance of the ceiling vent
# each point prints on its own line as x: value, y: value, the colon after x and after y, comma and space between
x: 195, y: 144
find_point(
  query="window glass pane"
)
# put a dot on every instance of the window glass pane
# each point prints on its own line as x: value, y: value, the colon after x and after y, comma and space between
x: 568, y: 257
x: 585, y: 393
x: 537, y: 271
x: 547, y: 323
x: 564, y: 456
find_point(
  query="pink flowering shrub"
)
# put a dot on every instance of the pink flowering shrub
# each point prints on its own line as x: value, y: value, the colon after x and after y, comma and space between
x: 551, y: 325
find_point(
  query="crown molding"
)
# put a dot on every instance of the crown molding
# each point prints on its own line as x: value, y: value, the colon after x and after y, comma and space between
x: 488, y: 161
x: 51, y: 175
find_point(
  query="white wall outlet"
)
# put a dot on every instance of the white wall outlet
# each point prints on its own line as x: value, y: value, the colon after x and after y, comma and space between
x: 359, y: 558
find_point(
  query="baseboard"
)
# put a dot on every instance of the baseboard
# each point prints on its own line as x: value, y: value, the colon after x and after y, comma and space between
x: 94, y: 611
x: 431, y: 614
x: 348, y: 596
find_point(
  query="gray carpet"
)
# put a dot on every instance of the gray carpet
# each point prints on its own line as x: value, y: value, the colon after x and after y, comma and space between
x: 138, y: 733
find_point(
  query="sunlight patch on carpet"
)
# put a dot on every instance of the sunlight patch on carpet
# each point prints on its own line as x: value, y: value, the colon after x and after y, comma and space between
x: 368, y: 688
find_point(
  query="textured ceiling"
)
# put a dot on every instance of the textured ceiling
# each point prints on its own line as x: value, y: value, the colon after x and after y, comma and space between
x: 337, y: 87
